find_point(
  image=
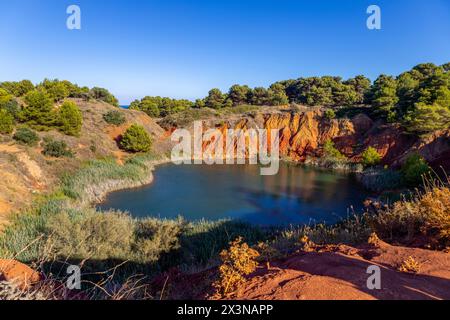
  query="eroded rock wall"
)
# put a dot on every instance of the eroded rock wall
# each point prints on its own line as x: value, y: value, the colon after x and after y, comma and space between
x: 302, y: 135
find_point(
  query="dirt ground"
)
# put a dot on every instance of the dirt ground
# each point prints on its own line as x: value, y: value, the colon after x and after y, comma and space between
x: 333, y: 273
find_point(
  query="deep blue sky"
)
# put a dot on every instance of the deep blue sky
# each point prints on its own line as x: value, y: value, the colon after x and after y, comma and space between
x: 182, y: 48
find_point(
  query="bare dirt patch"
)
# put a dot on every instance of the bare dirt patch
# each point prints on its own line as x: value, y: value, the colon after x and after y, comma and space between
x: 332, y: 273
x: 340, y: 273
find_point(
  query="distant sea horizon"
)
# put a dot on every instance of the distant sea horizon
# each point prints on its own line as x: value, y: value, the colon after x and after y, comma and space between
x: 125, y: 106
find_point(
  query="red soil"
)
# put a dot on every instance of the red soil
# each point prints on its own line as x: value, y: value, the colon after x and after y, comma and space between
x: 334, y: 273
x: 19, y: 273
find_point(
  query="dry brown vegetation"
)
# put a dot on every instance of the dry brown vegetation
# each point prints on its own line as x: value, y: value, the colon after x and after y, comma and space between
x: 237, y: 262
x: 410, y: 265
x: 423, y: 221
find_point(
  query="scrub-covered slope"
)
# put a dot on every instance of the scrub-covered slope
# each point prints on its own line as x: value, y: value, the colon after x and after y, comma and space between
x: 25, y: 171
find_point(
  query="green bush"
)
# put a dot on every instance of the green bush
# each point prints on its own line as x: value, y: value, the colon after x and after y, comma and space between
x: 428, y: 118
x: 160, y: 106
x: 215, y: 99
x: 56, y: 149
x: 414, y: 169
x: 114, y: 117
x: 333, y: 159
x: 38, y: 111
x: 70, y: 119
x: 18, y: 89
x: 12, y: 107
x: 104, y: 95
x: 26, y: 136
x: 5, y: 97
x: 330, y: 151
x: 330, y: 114
x: 370, y: 157
x: 149, y: 105
x: 57, y: 90
x: 6, y: 122
x: 136, y: 139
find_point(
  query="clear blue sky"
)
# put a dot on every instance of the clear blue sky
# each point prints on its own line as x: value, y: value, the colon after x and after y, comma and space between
x: 182, y: 48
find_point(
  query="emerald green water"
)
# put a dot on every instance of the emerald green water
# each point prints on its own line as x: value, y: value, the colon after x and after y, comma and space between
x: 296, y: 195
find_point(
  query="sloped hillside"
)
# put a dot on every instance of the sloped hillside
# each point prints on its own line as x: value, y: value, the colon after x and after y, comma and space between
x: 24, y: 171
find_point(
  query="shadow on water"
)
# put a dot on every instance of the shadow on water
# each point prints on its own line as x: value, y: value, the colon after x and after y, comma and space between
x: 273, y: 209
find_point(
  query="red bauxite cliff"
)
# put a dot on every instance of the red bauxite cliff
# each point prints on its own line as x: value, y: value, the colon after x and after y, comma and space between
x: 303, y: 134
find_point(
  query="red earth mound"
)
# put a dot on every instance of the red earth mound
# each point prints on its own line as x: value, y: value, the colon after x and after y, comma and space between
x: 18, y: 273
x: 332, y: 273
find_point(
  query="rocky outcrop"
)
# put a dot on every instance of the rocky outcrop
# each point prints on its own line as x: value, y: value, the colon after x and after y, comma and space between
x: 303, y: 133
x: 18, y: 274
x: 435, y: 148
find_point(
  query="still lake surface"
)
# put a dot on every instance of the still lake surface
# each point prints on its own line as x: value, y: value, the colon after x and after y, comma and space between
x: 296, y: 195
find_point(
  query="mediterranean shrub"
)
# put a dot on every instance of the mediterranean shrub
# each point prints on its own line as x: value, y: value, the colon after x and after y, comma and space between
x: 6, y: 122
x: 56, y: 149
x: 330, y: 151
x: 370, y: 157
x: 70, y: 119
x: 104, y: 95
x: 5, y: 97
x: 12, y: 107
x: 38, y: 111
x: 17, y: 89
x: 136, y: 139
x: 154, y: 237
x: 57, y: 90
x: 114, y: 117
x: 330, y: 114
x: 25, y: 135
x: 88, y: 234
x: 414, y: 169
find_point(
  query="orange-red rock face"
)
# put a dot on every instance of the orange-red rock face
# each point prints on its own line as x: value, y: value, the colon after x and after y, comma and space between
x: 303, y: 134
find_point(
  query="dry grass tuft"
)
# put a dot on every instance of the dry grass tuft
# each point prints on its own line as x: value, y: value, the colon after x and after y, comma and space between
x: 267, y: 253
x: 410, y: 265
x: 238, y: 261
x: 374, y: 240
x: 306, y: 244
x: 437, y: 204
x: 426, y: 217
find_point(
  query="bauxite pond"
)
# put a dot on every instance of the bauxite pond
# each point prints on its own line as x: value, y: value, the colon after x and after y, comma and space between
x: 296, y: 195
